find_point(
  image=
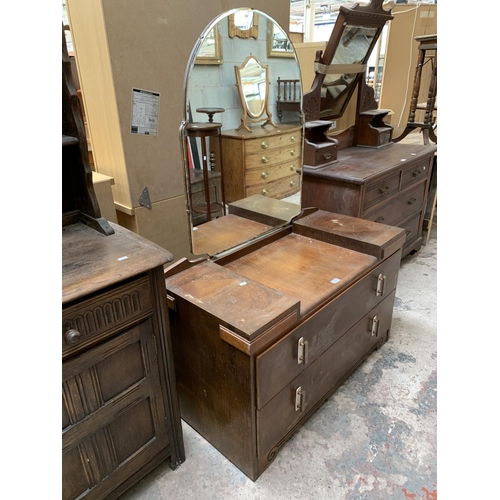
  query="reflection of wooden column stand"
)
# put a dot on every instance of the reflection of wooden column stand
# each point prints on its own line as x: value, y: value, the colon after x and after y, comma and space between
x: 205, y: 131
x: 427, y: 42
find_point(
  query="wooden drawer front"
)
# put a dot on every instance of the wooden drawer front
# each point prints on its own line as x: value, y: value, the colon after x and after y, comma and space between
x: 381, y: 189
x: 325, y: 155
x: 276, y: 189
x: 113, y: 416
x: 416, y: 172
x: 263, y: 144
x: 278, y: 366
x: 273, y: 157
x: 271, y: 173
x: 280, y: 415
x: 411, y: 228
x: 398, y: 208
x: 95, y: 318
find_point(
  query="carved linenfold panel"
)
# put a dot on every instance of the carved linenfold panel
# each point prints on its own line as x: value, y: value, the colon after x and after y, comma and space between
x: 95, y: 317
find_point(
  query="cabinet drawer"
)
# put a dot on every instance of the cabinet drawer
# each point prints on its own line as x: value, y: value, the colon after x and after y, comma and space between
x: 411, y: 227
x: 416, y: 172
x: 276, y: 141
x: 89, y: 321
x: 325, y: 155
x: 271, y: 173
x: 273, y: 157
x: 379, y: 190
x: 281, y: 415
x: 400, y: 207
x: 275, y: 189
x: 279, y: 365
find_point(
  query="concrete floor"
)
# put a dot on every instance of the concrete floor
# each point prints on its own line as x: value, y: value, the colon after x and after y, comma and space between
x: 374, y: 438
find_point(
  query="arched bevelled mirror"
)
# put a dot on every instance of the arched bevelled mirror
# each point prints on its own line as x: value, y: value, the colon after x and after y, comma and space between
x: 242, y: 182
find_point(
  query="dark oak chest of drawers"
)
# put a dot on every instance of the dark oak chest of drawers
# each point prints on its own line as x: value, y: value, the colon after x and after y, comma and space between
x: 387, y: 185
x: 120, y: 413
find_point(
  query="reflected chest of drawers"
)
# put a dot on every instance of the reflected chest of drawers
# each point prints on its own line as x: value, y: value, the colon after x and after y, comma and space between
x: 387, y: 185
x: 120, y: 410
x: 264, y: 161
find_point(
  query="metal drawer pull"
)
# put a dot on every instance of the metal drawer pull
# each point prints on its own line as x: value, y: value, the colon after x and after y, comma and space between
x: 300, y: 396
x: 292, y: 152
x: 380, y: 285
x: 383, y: 189
x: 292, y: 183
x: 302, y: 351
x: 265, y: 175
x: 292, y: 138
x: 265, y: 192
x: 380, y: 219
x: 264, y: 145
x: 327, y: 156
x: 408, y: 232
x: 416, y: 173
x: 292, y: 168
x: 412, y: 201
x: 265, y: 159
x: 375, y: 323
x: 73, y: 336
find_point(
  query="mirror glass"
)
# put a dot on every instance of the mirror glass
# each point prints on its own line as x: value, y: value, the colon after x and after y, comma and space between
x: 241, y: 184
x: 352, y: 49
x: 253, y: 86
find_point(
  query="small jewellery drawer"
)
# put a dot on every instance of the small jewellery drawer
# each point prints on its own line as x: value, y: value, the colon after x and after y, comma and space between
x: 310, y: 387
x: 89, y: 321
x: 275, y: 189
x: 416, y: 172
x: 261, y: 144
x: 325, y: 155
x: 271, y: 173
x: 330, y: 323
x: 273, y: 157
x: 400, y: 207
x: 378, y: 190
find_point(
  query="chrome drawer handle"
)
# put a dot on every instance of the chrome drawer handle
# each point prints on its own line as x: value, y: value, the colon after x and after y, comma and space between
x: 302, y: 351
x: 265, y: 159
x: 383, y: 189
x: 412, y: 201
x: 374, y: 327
x: 292, y: 183
x: 380, y: 285
x: 299, y: 399
x: 292, y: 152
x: 264, y: 175
x: 417, y: 173
x: 380, y: 219
x: 292, y: 168
x: 292, y: 138
x: 327, y: 156
x: 73, y: 336
x: 265, y: 192
x: 264, y: 145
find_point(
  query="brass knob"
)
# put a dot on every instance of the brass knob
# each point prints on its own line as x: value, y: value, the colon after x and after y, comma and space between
x: 73, y: 336
x: 417, y: 173
x: 292, y: 183
x: 265, y: 192
x: 265, y: 175
x: 292, y: 152
x: 327, y: 156
x: 292, y: 138
x: 380, y: 219
x: 292, y: 168
x: 383, y: 189
x: 264, y: 145
x: 265, y: 159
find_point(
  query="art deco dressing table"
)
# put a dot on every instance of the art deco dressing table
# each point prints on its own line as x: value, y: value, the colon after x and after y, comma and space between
x: 120, y: 410
x: 280, y: 307
x: 369, y: 177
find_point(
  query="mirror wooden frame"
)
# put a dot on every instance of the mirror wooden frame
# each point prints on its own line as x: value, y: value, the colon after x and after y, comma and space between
x: 271, y: 52
x: 241, y: 33
x: 247, y: 114
x: 217, y: 57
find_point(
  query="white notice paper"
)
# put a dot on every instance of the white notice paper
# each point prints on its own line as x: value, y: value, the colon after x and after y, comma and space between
x: 145, y: 112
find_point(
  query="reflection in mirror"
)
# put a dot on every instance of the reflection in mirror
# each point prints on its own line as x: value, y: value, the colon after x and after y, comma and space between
x: 352, y: 51
x: 244, y: 23
x: 210, y: 50
x: 241, y: 183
